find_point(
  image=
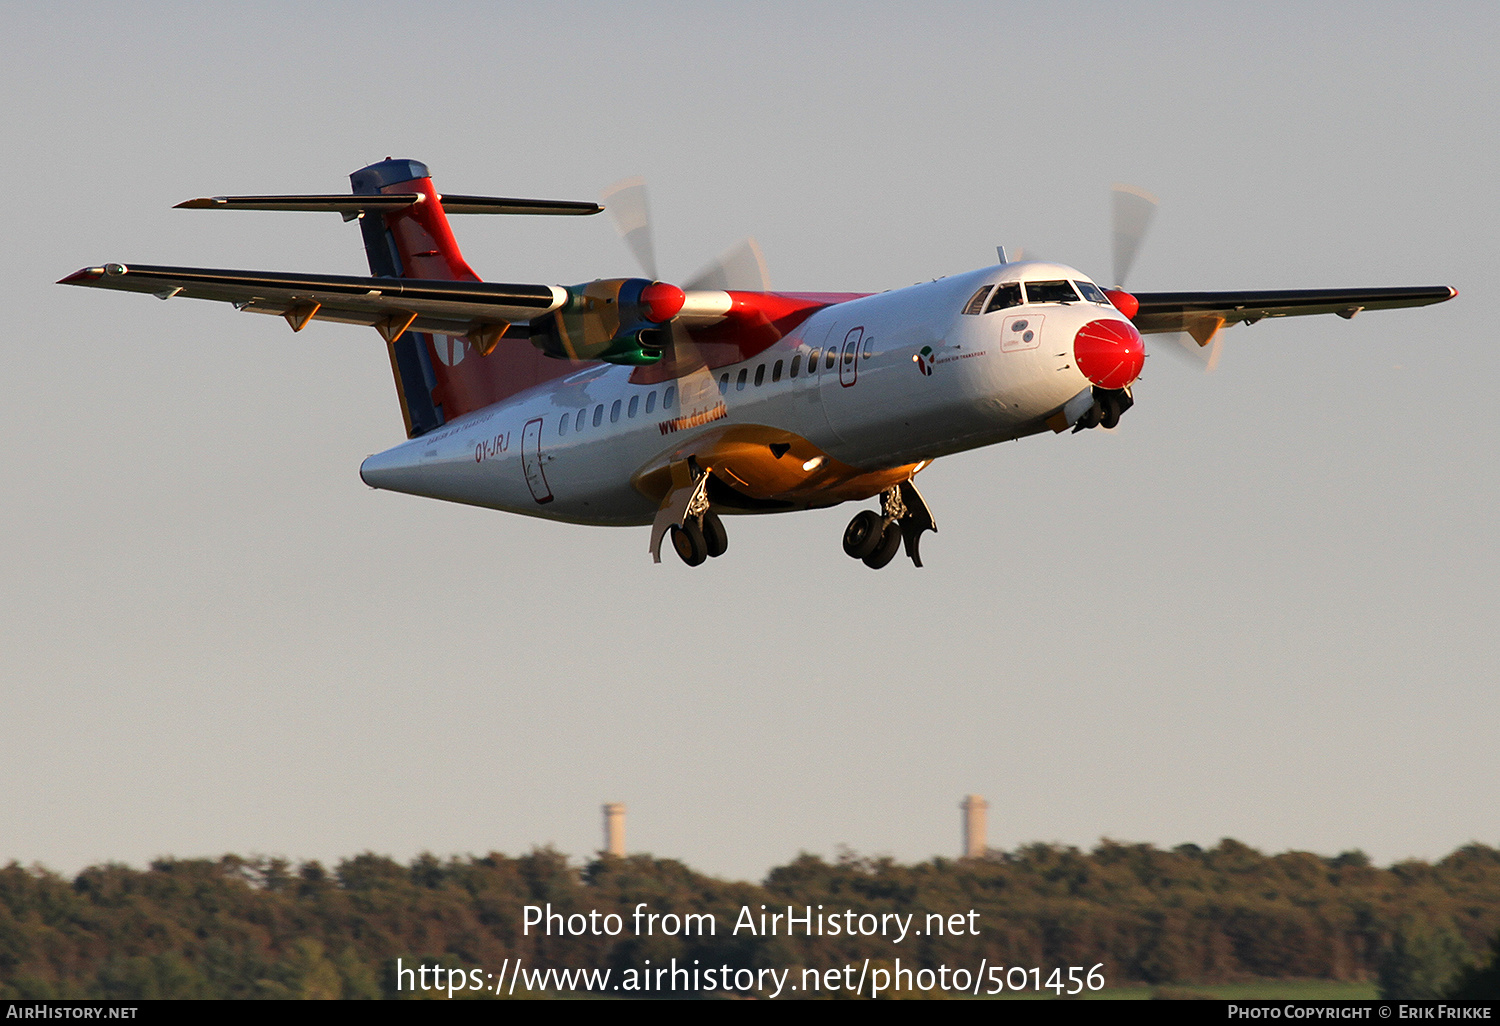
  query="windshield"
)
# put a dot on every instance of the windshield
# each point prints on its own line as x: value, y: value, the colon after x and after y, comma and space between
x: 1006, y: 296
x: 1092, y: 293
x: 1050, y: 292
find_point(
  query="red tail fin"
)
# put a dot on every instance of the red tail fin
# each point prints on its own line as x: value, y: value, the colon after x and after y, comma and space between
x: 438, y: 377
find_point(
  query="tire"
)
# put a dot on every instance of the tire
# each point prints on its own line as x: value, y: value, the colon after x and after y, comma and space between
x: 688, y: 542
x: 862, y: 536
x: 1091, y: 416
x: 890, y: 543
x: 715, y: 538
x: 1112, y: 413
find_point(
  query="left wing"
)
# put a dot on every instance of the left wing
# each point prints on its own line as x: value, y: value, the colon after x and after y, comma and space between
x: 1202, y: 314
x: 480, y: 311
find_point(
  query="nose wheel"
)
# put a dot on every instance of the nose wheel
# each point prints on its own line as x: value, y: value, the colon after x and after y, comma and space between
x: 875, y: 538
x: 1109, y: 405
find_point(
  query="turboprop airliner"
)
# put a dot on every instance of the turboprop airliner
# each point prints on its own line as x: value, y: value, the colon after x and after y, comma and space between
x: 634, y: 401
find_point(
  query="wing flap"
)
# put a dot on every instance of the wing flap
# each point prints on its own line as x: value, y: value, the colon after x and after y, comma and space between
x: 440, y: 307
x: 1196, y: 312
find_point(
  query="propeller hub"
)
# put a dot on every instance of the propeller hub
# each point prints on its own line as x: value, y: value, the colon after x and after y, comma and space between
x: 1124, y: 302
x: 661, y: 302
x: 1110, y: 352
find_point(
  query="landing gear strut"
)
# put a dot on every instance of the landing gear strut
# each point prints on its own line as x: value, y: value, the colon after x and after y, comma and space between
x: 695, y: 530
x: 1109, y: 405
x: 874, y: 537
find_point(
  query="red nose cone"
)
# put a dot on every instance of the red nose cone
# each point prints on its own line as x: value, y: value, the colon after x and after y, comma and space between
x: 1110, y: 353
x: 661, y: 302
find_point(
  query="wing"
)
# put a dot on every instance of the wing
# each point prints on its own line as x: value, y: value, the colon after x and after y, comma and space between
x: 481, y: 311
x: 1202, y: 314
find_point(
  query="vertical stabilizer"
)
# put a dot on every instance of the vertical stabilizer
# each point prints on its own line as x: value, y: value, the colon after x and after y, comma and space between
x: 438, y: 377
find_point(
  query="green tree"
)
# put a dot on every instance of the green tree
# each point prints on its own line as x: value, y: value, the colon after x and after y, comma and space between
x: 1423, y: 961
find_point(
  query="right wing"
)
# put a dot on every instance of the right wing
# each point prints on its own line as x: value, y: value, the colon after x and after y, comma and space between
x: 1202, y: 314
x: 480, y: 311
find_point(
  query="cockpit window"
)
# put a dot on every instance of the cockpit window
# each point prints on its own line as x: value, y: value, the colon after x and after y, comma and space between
x: 1092, y: 292
x: 1050, y: 292
x: 1005, y: 296
x: 976, y: 302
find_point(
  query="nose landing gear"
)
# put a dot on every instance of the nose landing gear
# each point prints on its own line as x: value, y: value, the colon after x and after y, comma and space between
x: 874, y: 537
x: 1109, y: 405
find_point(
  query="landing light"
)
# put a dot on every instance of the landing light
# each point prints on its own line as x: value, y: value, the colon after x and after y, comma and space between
x: 813, y: 464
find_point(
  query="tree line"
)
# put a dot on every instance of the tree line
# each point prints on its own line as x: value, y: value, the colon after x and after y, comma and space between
x: 266, y: 928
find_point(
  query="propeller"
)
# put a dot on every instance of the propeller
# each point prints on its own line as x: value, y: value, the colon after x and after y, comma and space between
x: 1131, y: 212
x: 741, y: 267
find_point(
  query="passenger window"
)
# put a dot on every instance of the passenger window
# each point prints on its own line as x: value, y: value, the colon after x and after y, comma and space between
x: 562, y: 425
x: 796, y: 364
x: 724, y: 383
x: 1050, y: 292
x: 598, y: 415
x: 812, y: 361
x: 869, y: 347
x: 1006, y: 296
x: 849, y: 355
x: 976, y: 301
x: 776, y: 372
x: 669, y: 397
x: 635, y: 405
x: 739, y: 382
x: 578, y: 424
x: 830, y: 359
x: 760, y: 375
x: 614, y: 412
x: 651, y: 401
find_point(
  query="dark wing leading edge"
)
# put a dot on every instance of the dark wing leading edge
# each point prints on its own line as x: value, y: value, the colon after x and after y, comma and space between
x: 1202, y: 314
x: 480, y: 311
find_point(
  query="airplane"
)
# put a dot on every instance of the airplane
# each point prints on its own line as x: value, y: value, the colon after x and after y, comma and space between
x: 634, y: 401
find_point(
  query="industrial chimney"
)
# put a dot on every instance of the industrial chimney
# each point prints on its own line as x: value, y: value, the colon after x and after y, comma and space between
x: 975, y: 844
x: 614, y: 828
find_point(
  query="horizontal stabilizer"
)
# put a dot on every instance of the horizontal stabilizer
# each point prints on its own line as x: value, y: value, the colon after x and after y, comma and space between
x: 352, y: 206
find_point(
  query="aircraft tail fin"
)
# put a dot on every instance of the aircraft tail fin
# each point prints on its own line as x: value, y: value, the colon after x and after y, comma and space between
x: 412, y: 241
x: 404, y: 222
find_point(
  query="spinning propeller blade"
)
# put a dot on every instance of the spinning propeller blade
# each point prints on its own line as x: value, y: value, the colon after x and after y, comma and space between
x: 1131, y: 212
x: 741, y: 268
x: 627, y: 205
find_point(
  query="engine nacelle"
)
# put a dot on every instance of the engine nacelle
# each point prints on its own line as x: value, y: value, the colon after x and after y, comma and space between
x: 618, y: 320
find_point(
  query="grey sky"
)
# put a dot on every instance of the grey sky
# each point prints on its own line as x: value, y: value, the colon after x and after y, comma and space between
x: 1264, y: 608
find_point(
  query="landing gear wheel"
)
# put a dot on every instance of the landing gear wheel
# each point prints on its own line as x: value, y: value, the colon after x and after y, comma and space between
x: 1111, y: 413
x: 715, y: 538
x: 890, y: 544
x: 689, y: 543
x: 1091, y: 417
x: 863, y: 536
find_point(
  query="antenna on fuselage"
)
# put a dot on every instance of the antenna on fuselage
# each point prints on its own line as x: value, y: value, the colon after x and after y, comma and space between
x: 1000, y: 252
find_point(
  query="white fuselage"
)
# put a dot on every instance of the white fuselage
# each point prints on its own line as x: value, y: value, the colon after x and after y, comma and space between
x: 911, y: 377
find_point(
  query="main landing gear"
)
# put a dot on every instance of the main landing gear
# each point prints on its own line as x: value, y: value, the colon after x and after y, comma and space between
x: 697, y: 533
x: 695, y: 530
x: 699, y: 538
x: 1109, y: 405
x: 874, y: 537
